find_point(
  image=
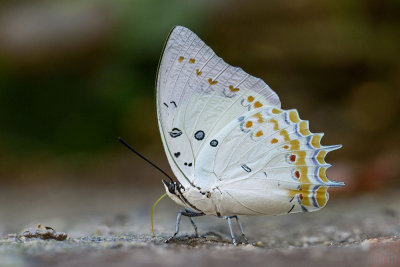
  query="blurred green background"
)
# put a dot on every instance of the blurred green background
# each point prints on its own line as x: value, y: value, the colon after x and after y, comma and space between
x: 75, y: 75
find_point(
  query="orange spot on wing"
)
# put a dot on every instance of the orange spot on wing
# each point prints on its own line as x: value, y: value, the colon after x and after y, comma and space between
x: 294, y: 116
x: 285, y: 135
x: 198, y: 73
x: 259, y: 133
x: 322, y: 174
x: 192, y: 60
x: 321, y: 156
x: 301, y: 157
x: 285, y: 146
x: 322, y: 196
x: 292, y: 158
x: 180, y: 59
x: 211, y: 82
x: 295, y: 145
x: 304, y: 128
x: 303, y: 193
x: 276, y: 111
x: 233, y: 89
x: 297, y: 174
x: 259, y: 117
x: 316, y: 141
x: 274, y: 141
x: 258, y: 105
x: 276, y: 125
x: 249, y: 124
x: 303, y: 174
x: 250, y: 99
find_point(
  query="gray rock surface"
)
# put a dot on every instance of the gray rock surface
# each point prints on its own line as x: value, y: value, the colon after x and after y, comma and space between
x: 111, y: 226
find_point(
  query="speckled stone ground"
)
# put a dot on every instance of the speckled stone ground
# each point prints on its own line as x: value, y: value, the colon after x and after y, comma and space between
x: 110, y: 226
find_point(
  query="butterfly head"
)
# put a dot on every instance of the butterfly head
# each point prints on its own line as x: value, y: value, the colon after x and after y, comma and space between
x: 174, y: 190
x: 172, y: 187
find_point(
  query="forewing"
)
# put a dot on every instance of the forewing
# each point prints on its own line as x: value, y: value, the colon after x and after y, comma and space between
x: 198, y: 94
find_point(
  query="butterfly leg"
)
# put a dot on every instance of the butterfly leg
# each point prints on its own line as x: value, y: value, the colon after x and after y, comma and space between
x: 193, y: 214
x: 241, y: 228
x: 188, y: 213
x: 178, y: 221
x: 228, y: 218
x: 196, y: 233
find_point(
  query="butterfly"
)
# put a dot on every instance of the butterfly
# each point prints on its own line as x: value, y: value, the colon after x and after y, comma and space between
x: 232, y: 148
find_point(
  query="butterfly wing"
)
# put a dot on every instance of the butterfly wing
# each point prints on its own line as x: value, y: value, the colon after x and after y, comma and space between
x: 198, y: 94
x: 268, y: 162
x: 223, y: 130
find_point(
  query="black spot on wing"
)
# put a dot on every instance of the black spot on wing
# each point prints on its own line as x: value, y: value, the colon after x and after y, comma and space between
x: 291, y: 209
x: 214, y: 143
x: 177, y: 154
x: 173, y: 102
x: 199, y: 135
x: 175, y: 133
x: 246, y: 168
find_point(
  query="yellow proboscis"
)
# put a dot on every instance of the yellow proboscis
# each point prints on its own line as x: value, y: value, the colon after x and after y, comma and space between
x: 152, y: 212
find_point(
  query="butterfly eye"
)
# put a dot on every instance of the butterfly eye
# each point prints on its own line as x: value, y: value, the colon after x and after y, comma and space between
x: 171, y: 188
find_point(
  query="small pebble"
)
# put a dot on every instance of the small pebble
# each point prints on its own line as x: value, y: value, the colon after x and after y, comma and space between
x: 42, y: 232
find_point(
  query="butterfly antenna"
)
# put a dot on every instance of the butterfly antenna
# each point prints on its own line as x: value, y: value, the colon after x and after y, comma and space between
x: 143, y: 157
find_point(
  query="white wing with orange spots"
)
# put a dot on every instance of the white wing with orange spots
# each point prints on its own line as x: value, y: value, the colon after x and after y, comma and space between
x: 225, y: 135
x: 198, y: 94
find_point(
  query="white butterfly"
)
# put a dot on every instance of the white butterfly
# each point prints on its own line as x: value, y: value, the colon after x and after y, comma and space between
x: 232, y: 148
